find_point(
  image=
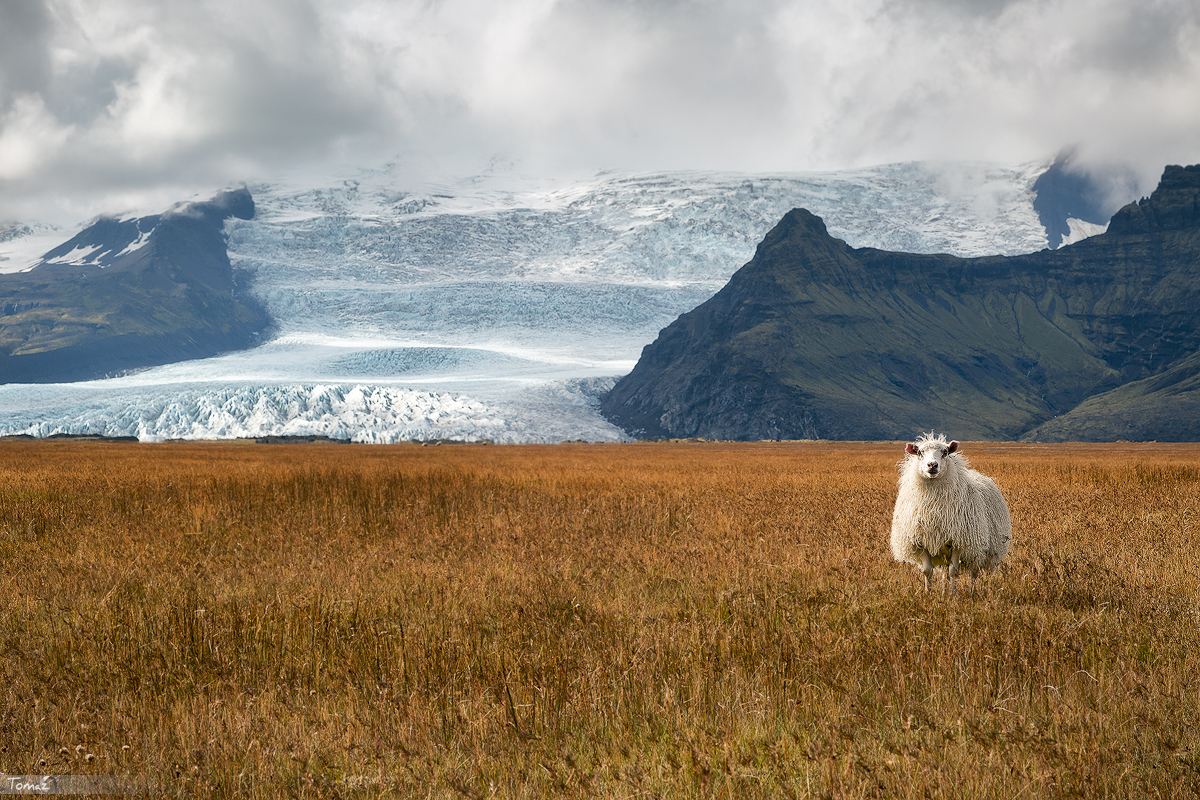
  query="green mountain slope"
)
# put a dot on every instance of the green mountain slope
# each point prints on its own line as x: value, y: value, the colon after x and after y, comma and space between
x: 1164, y: 408
x: 816, y: 339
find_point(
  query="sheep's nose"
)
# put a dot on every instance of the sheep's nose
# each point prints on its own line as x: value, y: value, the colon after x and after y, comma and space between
x: 933, y: 467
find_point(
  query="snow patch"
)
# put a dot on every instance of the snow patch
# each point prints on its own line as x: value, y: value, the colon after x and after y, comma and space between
x: 1080, y: 229
x: 22, y: 246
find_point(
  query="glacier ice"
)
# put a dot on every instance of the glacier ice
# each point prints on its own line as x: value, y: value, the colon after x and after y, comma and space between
x: 551, y: 411
x: 499, y: 307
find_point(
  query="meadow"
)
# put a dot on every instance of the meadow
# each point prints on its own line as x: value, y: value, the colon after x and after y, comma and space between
x: 593, y: 620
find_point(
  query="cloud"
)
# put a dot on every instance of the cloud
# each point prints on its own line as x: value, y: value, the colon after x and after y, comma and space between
x: 24, y: 36
x: 103, y: 102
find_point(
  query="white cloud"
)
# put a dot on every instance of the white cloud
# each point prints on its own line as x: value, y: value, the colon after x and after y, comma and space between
x: 30, y: 138
x: 100, y: 99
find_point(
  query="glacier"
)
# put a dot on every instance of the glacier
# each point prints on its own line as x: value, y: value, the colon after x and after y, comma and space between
x: 496, y: 307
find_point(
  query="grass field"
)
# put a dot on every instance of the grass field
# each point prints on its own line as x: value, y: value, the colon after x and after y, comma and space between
x: 638, y: 620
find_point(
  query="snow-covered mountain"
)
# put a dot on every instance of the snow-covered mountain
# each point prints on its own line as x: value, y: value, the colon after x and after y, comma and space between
x: 498, y: 307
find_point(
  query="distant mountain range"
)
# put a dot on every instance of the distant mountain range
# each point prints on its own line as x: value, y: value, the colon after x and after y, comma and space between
x: 814, y: 338
x: 496, y: 306
x: 127, y: 293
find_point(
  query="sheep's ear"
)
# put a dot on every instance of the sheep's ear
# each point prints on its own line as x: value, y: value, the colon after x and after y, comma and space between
x: 953, y: 446
x: 911, y: 449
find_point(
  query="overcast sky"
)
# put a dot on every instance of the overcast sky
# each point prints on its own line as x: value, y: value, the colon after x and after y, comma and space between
x: 102, y: 103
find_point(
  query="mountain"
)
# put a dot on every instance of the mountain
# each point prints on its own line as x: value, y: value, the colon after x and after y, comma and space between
x: 1074, y: 202
x: 127, y: 293
x: 494, y: 306
x: 814, y: 338
x: 1164, y: 407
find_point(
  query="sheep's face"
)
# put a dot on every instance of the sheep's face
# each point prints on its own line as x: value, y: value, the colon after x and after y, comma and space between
x: 931, y: 456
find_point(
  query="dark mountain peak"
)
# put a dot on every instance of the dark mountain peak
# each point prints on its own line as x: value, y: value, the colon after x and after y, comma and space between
x: 102, y: 241
x: 799, y: 222
x: 110, y: 237
x: 801, y: 247
x: 129, y: 292
x: 233, y: 203
x: 799, y: 229
x: 1173, y: 206
x: 813, y: 338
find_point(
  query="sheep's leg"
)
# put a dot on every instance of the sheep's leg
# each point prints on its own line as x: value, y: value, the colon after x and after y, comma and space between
x: 927, y: 570
x: 953, y: 571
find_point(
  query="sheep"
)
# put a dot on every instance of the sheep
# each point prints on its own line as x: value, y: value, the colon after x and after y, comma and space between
x: 947, y: 514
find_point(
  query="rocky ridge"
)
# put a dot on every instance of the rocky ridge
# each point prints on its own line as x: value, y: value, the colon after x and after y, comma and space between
x: 817, y: 339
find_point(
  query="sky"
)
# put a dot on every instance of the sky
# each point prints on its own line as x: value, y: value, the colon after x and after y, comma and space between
x: 132, y: 102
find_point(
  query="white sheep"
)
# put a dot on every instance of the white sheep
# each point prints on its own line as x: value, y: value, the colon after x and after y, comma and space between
x: 947, y: 514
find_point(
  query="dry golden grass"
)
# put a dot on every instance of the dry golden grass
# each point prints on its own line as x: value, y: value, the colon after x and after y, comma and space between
x: 594, y: 620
